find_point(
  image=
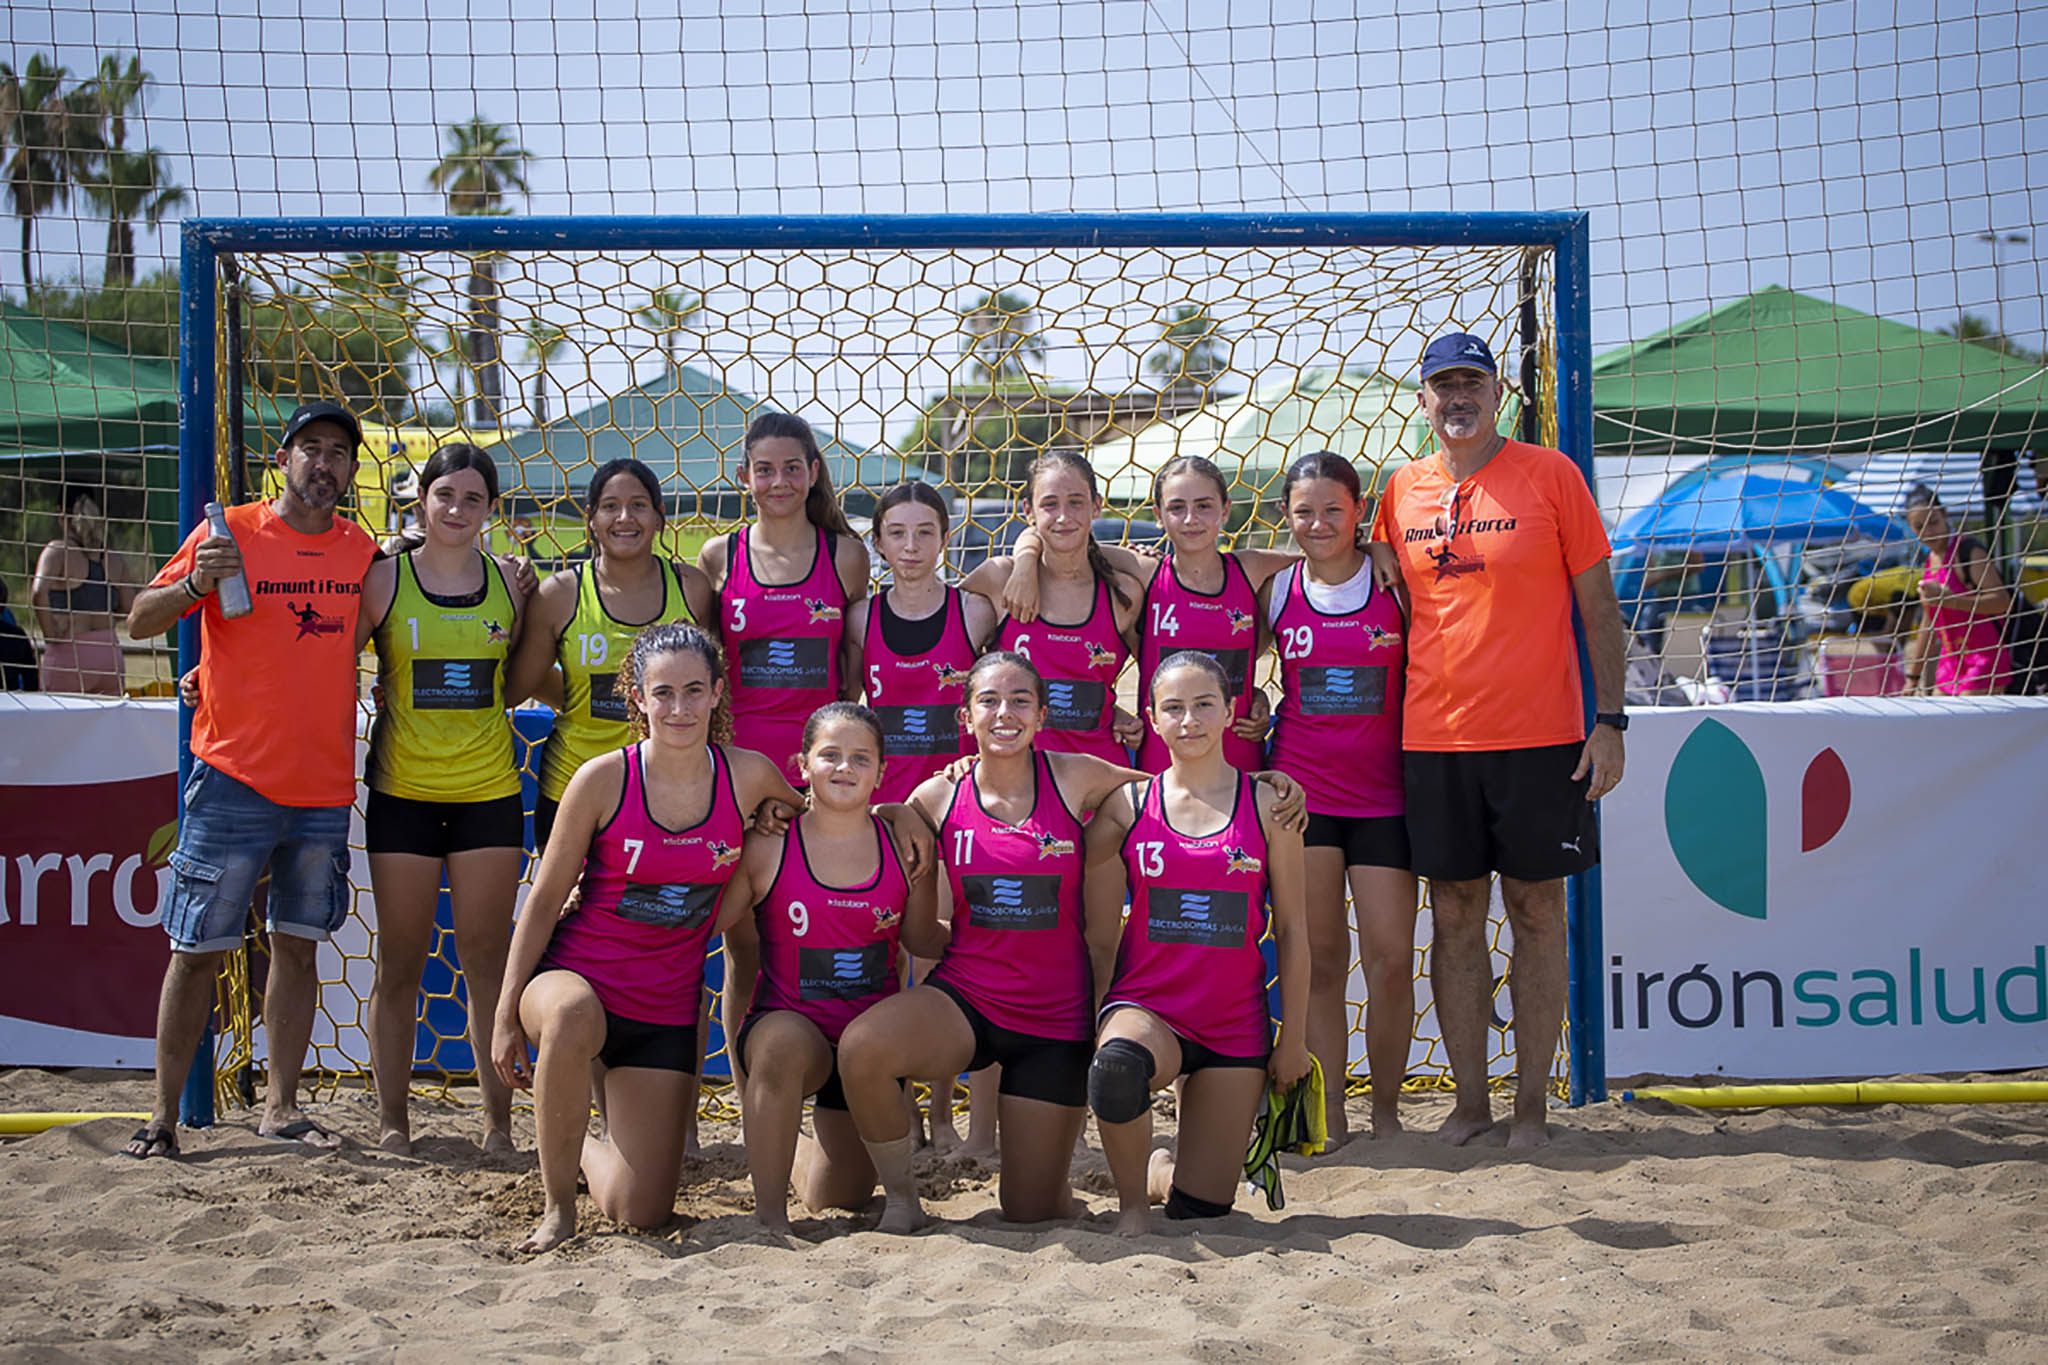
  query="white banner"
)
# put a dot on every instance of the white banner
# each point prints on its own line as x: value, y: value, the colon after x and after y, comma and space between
x: 1849, y: 887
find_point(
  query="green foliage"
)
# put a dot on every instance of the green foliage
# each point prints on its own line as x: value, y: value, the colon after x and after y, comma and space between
x: 350, y: 337
x: 1192, y: 348
x: 1969, y: 327
x: 141, y: 318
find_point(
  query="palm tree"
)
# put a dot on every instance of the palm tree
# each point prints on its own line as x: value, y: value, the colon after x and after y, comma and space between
x: 1192, y: 349
x: 125, y: 185
x: 53, y: 137
x: 481, y: 166
x: 1003, y: 341
x: 670, y: 313
x: 1969, y: 327
x: 544, y: 341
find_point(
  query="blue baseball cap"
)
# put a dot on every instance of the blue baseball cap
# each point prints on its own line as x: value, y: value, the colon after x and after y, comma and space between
x: 322, y: 411
x: 1458, y: 351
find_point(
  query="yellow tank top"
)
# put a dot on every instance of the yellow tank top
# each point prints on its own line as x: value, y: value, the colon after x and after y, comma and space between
x: 590, y: 652
x: 442, y: 734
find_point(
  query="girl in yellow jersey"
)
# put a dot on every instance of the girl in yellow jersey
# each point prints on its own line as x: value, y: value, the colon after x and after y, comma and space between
x: 444, y: 789
x: 584, y: 621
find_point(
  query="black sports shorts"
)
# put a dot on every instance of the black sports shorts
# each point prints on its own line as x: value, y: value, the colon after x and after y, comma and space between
x: 1513, y: 811
x: 1051, y: 1069
x: 1367, y: 840
x: 435, y: 829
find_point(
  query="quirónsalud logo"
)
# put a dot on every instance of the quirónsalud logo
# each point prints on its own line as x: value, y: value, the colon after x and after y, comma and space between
x: 1717, y: 816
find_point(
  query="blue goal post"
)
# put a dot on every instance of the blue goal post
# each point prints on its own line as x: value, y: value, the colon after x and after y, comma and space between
x: 210, y: 246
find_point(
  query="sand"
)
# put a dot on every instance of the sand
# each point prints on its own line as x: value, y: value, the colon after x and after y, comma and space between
x: 1645, y: 1232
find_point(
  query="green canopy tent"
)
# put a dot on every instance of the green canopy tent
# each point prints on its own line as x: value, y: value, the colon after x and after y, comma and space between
x: 1777, y: 370
x: 687, y: 426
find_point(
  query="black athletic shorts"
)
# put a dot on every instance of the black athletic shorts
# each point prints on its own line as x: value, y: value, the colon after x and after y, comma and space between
x: 1194, y: 1056
x: 1051, y: 1069
x: 1367, y: 840
x: 543, y: 822
x: 1512, y: 811
x: 830, y: 1095
x: 660, y: 1047
x: 435, y: 829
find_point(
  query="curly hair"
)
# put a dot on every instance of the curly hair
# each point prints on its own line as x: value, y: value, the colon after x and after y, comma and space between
x: 673, y: 638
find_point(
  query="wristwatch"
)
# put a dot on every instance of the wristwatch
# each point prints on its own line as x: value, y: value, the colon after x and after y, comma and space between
x: 1617, y: 720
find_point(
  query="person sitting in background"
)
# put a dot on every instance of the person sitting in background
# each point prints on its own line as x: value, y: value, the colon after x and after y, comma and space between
x: 1963, y: 607
x: 78, y: 587
x: 17, y: 652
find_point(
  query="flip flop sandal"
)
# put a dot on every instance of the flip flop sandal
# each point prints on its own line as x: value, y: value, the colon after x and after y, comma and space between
x: 155, y: 1142
x: 294, y: 1134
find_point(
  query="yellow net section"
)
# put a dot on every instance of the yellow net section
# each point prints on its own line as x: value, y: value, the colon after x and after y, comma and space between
x: 956, y: 367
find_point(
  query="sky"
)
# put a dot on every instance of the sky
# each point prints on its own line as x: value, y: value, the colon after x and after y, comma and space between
x: 1850, y: 150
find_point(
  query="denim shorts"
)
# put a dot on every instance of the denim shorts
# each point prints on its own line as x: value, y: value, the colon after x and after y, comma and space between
x: 229, y: 834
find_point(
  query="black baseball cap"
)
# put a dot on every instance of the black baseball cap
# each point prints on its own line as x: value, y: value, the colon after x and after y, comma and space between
x: 323, y: 411
x: 1458, y: 351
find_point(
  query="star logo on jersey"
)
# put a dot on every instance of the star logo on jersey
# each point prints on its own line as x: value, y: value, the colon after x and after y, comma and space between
x: 949, y: 676
x: 1052, y: 846
x: 1239, y: 620
x: 1380, y: 635
x: 1237, y: 860
x: 821, y: 612
x: 723, y: 854
x: 1099, y: 656
x: 886, y: 918
x: 498, y: 634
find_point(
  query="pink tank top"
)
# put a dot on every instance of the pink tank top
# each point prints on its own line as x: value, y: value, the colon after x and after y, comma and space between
x: 1973, y: 656
x: 650, y: 899
x: 1017, y: 952
x: 1224, y: 626
x: 1190, y: 949
x: 781, y: 650
x: 1339, y: 723
x: 829, y: 952
x: 1079, y: 664
x: 918, y: 699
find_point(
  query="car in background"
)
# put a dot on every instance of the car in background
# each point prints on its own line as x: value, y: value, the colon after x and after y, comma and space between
x: 988, y: 527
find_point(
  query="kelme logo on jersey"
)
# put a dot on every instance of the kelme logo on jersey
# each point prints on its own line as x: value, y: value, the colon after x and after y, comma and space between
x: 843, y: 973
x: 1024, y: 902
x: 785, y: 663
x: 1237, y: 860
x: 1716, y: 815
x: 1342, y: 691
x: 671, y: 905
x: 1072, y: 704
x: 1199, y: 918
x: 452, y: 684
x: 820, y: 611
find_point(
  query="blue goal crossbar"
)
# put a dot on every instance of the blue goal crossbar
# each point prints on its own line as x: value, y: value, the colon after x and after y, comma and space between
x: 1566, y: 234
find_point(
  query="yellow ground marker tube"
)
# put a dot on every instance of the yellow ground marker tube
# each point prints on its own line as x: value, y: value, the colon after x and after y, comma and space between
x: 1846, y: 1092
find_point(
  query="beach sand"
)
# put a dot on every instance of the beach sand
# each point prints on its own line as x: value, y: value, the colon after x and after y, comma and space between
x: 1645, y: 1231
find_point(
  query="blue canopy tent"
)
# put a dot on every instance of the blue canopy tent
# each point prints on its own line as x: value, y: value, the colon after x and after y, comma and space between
x: 1734, y: 510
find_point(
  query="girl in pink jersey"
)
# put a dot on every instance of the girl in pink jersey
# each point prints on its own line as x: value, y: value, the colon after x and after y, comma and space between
x: 783, y: 585
x: 655, y: 832
x: 911, y: 646
x: 1200, y: 853
x: 1963, y: 604
x: 1087, y: 613
x: 1342, y: 655
x: 832, y: 901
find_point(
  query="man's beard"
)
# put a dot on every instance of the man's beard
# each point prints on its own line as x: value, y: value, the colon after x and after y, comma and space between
x: 317, y: 494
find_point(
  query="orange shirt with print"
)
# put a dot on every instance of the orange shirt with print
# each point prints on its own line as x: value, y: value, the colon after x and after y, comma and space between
x: 277, y: 688
x: 1491, y: 659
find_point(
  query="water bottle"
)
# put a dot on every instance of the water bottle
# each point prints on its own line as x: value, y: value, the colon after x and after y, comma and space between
x: 234, y: 591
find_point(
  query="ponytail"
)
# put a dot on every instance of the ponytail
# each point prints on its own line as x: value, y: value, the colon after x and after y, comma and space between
x: 821, y: 506
x: 1098, y: 562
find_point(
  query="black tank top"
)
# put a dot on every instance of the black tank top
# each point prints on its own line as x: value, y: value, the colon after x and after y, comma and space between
x: 91, y: 597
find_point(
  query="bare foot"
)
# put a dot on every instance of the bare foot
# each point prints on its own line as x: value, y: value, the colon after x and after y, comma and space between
x: 1462, y: 1126
x: 945, y: 1139
x: 1134, y: 1222
x: 901, y: 1217
x: 981, y: 1150
x: 1386, y: 1121
x: 692, y: 1149
x: 1159, y: 1176
x: 1529, y: 1130
x: 773, y: 1219
x: 498, y: 1142
x: 396, y: 1141
x: 555, y: 1227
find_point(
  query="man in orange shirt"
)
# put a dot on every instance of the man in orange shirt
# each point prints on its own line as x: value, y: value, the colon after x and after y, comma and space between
x: 273, y: 760
x: 1496, y: 540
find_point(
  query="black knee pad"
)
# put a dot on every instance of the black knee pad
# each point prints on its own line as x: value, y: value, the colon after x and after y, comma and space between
x: 1119, y: 1081
x: 1180, y: 1205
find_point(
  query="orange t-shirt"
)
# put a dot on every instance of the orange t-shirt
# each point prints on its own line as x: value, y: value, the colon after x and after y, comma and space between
x: 277, y: 688
x: 1491, y: 659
